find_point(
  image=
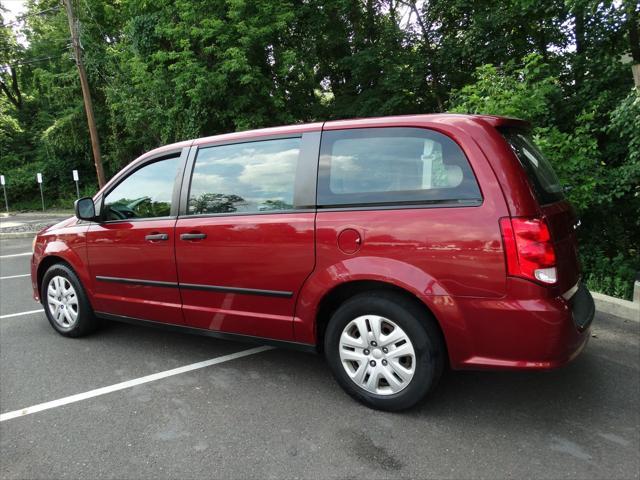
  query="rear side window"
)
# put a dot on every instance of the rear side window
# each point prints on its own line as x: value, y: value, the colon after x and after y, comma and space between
x: 246, y: 178
x: 541, y: 175
x: 378, y: 166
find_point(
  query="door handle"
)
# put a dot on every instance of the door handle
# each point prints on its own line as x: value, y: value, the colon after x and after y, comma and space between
x: 193, y: 236
x: 154, y: 237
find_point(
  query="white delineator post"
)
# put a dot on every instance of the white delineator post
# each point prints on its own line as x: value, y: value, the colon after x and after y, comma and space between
x: 76, y: 178
x: 39, y: 178
x: 4, y: 189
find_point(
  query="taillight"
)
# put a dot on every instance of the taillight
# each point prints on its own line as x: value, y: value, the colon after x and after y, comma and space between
x: 528, y: 249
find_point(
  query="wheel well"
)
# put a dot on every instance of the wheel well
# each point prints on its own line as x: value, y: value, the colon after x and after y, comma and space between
x: 332, y: 300
x: 45, y: 264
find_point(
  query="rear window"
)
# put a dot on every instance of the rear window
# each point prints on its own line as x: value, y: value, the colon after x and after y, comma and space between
x: 543, y: 179
x: 378, y: 166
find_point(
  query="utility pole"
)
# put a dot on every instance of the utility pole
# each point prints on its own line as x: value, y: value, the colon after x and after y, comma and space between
x: 86, y: 94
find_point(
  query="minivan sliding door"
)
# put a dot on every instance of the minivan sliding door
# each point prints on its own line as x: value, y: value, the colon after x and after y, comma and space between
x: 245, y: 234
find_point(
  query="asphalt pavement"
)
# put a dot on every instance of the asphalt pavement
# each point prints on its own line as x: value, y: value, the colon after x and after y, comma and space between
x: 279, y: 414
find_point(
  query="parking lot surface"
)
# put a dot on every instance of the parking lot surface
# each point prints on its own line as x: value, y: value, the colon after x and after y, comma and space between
x: 279, y: 414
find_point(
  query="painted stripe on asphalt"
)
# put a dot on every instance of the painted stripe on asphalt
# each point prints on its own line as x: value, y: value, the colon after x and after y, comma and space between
x: 130, y: 383
x: 15, y: 276
x: 21, y: 313
x: 16, y: 255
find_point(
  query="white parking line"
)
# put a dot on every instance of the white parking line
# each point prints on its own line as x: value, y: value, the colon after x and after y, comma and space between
x: 15, y: 276
x: 130, y: 383
x: 16, y: 255
x: 21, y: 313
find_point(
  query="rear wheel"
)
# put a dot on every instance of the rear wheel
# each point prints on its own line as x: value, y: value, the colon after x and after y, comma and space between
x: 384, y: 350
x: 65, y: 302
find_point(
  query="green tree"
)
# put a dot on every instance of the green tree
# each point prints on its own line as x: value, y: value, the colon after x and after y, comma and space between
x: 165, y: 71
x: 605, y: 190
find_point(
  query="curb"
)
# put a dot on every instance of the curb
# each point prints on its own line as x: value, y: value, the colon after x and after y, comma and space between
x: 10, y: 235
x: 618, y: 307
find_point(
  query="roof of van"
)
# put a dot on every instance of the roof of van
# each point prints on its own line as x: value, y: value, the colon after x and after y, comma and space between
x: 444, y: 118
x: 396, y: 120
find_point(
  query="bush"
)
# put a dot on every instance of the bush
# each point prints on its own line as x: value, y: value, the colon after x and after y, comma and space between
x: 612, y: 276
x: 597, y: 158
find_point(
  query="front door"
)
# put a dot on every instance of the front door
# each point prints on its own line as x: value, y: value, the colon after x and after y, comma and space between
x: 245, y: 244
x: 131, y: 253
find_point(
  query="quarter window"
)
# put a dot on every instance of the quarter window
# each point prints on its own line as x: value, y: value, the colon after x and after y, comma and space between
x: 146, y: 193
x: 251, y: 177
x: 393, y: 165
x: 546, y: 185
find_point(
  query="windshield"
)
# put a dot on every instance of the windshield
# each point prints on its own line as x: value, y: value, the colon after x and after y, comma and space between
x: 543, y: 179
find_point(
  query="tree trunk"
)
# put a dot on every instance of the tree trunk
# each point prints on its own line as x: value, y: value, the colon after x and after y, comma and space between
x: 12, y: 91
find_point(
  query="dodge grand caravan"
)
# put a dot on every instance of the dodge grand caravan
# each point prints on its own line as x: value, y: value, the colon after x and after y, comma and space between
x: 396, y: 246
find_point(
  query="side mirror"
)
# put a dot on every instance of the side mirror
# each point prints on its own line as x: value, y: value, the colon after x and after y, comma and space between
x: 85, y: 209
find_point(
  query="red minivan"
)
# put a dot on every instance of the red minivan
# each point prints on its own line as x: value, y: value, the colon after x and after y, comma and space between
x: 396, y: 246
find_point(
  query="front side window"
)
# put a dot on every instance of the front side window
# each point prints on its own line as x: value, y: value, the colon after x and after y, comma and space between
x: 252, y: 177
x: 378, y: 166
x: 146, y: 193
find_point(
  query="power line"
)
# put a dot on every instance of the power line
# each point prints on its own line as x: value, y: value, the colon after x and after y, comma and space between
x: 93, y: 19
x: 20, y: 18
x: 95, y: 65
x: 35, y: 60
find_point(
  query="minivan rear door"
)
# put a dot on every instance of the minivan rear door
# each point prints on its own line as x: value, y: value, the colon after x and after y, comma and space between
x: 555, y: 209
x: 245, y: 234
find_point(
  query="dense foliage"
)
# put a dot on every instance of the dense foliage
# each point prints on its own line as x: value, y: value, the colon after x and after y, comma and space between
x: 169, y: 70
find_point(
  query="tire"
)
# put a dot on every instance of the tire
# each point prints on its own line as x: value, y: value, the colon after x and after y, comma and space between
x: 398, y: 380
x: 62, y: 288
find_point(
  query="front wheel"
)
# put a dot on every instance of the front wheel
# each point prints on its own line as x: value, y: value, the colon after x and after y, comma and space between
x: 384, y: 350
x: 65, y: 302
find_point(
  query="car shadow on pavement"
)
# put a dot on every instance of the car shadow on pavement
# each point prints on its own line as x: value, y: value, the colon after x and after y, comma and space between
x: 565, y: 393
x: 592, y: 386
x: 580, y: 395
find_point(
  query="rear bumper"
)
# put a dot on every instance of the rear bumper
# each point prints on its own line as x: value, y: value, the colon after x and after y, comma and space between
x: 523, y: 330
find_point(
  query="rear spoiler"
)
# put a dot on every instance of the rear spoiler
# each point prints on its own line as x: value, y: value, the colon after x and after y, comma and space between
x: 496, y: 121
